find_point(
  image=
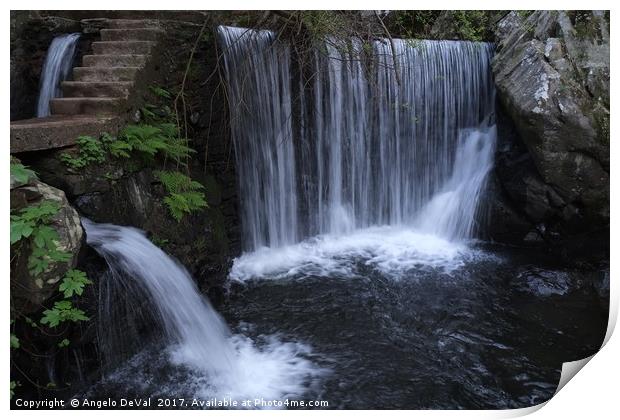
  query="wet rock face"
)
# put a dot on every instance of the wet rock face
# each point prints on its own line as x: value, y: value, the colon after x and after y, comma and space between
x: 552, y: 75
x: 27, y: 291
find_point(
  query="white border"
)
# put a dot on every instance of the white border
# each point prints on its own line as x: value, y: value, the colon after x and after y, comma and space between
x: 593, y: 393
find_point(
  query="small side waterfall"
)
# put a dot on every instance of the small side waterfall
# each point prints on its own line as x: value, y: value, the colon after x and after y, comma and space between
x: 349, y: 145
x: 57, y: 67
x: 229, y: 365
x: 187, y: 317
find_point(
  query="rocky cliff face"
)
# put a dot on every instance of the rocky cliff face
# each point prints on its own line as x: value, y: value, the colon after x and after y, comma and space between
x: 552, y: 75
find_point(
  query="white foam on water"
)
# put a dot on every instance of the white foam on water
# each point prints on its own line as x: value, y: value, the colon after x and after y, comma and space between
x: 271, y: 370
x: 391, y: 250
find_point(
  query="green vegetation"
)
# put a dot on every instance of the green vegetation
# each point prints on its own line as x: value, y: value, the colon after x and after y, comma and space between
x: 33, y: 223
x: 147, y: 142
x: 161, y: 92
x: 150, y: 140
x: 14, y: 341
x: 184, y: 194
x: 73, y: 283
x: 21, y: 173
x: 91, y: 150
x: 412, y: 24
x: 13, y: 386
x: 472, y: 25
x: 32, y: 227
x: 159, y: 242
x: 62, y: 311
x: 323, y: 23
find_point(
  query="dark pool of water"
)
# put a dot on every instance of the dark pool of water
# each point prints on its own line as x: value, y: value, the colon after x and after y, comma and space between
x: 492, y: 334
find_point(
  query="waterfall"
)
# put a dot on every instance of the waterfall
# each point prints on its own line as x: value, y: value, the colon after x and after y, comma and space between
x: 197, y: 336
x: 57, y: 67
x: 352, y: 145
x: 262, y: 130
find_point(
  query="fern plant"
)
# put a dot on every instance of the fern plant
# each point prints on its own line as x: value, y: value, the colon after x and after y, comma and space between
x: 184, y: 194
x: 91, y: 150
x: 149, y: 141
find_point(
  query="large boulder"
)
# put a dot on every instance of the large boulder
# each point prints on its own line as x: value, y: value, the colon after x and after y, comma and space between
x: 28, y: 292
x: 551, y: 69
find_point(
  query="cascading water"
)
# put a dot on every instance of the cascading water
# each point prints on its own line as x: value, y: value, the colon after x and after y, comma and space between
x: 373, y: 149
x: 388, y: 160
x: 57, y: 68
x: 226, y: 365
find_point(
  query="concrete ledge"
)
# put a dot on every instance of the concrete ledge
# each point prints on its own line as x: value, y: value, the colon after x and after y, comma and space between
x: 58, y: 131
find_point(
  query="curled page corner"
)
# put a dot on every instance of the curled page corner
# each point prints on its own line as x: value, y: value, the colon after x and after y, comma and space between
x: 570, y: 369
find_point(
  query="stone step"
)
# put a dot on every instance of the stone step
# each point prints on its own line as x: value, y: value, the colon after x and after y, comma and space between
x: 105, y: 74
x: 139, y: 34
x: 122, y: 47
x: 131, y: 23
x: 74, y: 89
x: 114, y: 60
x: 86, y: 106
x: 58, y: 131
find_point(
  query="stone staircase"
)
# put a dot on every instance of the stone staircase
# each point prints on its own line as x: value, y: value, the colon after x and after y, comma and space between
x: 99, y: 94
x: 103, y: 83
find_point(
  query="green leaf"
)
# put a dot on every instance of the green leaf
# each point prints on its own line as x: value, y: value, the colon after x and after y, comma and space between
x: 61, y: 312
x: 37, y: 264
x: 21, y: 173
x: 41, y: 213
x: 51, y: 317
x: 14, y: 341
x: 73, y: 283
x: 13, y: 386
x: 160, y: 92
x: 20, y: 229
x: 63, y: 305
x: 64, y: 343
